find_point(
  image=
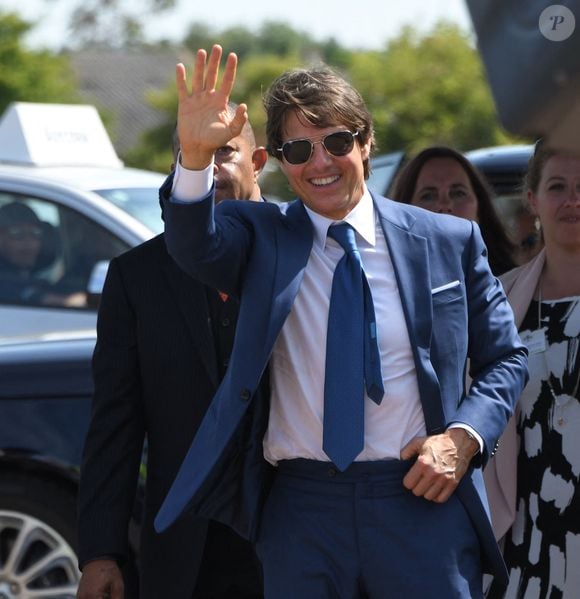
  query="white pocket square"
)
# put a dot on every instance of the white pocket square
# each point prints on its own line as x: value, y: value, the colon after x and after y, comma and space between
x: 445, y: 287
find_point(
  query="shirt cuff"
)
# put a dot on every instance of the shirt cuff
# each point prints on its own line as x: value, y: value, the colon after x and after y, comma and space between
x: 191, y: 186
x: 470, y: 431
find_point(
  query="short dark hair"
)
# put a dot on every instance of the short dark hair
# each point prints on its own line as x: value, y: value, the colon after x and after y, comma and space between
x: 320, y: 97
x: 17, y: 213
x: 499, y: 245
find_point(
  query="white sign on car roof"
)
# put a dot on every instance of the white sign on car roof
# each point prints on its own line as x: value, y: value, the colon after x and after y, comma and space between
x: 55, y: 134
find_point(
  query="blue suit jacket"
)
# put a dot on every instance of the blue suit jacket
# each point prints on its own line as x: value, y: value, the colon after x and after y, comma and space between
x: 258, y: 252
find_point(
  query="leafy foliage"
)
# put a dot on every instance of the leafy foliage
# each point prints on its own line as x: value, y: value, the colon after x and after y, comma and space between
x: 111, y: 22
x: 27, y: 76
x: 429, y: 90
x: 422, y: 89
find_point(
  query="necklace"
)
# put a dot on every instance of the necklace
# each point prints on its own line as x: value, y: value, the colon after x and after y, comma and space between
x: 562, y: 399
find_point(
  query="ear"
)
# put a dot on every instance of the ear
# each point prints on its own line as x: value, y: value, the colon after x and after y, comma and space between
x: 532, y: 201
x: 259, y: 159
x: 365, y: 150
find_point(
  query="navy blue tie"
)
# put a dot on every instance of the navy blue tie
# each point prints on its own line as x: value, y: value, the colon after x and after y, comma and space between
x: 352, y: 354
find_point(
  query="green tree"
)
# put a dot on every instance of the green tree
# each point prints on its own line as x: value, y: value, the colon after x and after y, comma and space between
x: 422, y: 89
x: 200, y: 35
x: 429, y: 89
x: 27, y: 76
x: 239, y: 40
x: 280, y: 39
x: 111, y: 23
x: 154, y: 150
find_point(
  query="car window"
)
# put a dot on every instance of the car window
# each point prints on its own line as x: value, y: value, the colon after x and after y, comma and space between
x: 140, y: 203
x: 48, y: 252
x: 383, y: 171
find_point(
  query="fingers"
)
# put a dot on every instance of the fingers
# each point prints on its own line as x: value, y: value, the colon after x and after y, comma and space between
x: 198, y: 71
x: 204, y: 77
x: 117, y: 589
x: 203, y: 120
x: 438, y: 469
x: 213, y: 67
x: 412, y: 448
x: 101, y: 579
x: 181, y: 81
x: 239, y: 120
x: 423, y: 480
x: 229, y: 74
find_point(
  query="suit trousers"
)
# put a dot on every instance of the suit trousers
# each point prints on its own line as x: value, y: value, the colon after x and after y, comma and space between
x: 357, y: 534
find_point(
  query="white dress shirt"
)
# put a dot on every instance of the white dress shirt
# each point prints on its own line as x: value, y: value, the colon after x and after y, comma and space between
x: 298, y: 360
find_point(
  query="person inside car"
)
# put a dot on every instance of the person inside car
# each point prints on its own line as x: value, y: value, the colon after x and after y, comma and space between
x: 29, y: 246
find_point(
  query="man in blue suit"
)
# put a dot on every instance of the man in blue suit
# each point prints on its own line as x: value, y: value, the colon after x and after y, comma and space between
x: 406, y: 514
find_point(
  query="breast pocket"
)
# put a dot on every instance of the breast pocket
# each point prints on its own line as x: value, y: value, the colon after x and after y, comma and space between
x: 449, y: 321
x: 445, y: 294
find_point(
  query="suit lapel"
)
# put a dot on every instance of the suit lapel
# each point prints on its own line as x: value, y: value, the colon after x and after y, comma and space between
x: 411, y: 263
x: 410, y: 257
x: 191, y: 299
x: 294, y: 243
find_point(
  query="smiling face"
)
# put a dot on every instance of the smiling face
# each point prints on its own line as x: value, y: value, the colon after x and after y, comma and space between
x: 557, y: 201
x: 329, y: 185
x: 444, y: 186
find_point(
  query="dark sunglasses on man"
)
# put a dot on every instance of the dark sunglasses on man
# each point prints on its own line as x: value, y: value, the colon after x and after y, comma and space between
x: 299, y: 151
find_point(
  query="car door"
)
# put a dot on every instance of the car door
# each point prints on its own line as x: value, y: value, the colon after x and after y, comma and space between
x: 48, y: 253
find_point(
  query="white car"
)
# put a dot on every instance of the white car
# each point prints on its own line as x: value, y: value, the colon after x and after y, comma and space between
x: 60, y: 224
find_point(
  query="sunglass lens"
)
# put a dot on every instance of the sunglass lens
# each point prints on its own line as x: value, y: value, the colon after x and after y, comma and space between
x: 339, y: 144
x: 298, y: 151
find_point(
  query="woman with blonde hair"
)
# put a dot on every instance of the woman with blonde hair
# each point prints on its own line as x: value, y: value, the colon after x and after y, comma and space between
x: 533, y: 480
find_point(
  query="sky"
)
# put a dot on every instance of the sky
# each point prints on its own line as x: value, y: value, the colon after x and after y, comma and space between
x: 368, y: 27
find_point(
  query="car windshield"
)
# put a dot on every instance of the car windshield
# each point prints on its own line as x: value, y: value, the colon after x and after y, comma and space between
x: 141, y: 203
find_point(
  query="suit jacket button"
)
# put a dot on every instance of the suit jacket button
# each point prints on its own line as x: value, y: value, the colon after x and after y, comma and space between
x: 246, y: 394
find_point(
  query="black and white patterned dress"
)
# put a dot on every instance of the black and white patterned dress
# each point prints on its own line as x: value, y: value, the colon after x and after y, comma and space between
x: 542, y: 549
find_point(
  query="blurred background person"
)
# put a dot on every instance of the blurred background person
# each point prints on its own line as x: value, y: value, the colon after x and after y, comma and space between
x: 526, y: 232
x: 440, y: 179
x: 533, y: 480
x: 28, y: 246
x: 21, y: 239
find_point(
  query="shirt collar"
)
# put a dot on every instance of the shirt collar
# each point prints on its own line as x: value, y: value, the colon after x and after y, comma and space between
x: 361, y: 218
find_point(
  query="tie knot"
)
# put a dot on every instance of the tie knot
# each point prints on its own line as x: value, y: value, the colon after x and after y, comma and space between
x: 344, y: 235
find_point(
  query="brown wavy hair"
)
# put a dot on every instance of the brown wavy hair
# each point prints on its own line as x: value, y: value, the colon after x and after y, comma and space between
x: 320, y: 97
x: 499, y: 246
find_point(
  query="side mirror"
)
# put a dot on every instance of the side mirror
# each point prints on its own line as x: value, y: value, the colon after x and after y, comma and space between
x: 96, y: 283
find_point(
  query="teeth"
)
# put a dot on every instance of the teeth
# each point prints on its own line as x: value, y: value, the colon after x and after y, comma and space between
x: 325, y: 180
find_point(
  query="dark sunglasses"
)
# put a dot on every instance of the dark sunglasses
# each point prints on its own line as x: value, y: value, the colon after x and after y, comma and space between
x: 299, y: 151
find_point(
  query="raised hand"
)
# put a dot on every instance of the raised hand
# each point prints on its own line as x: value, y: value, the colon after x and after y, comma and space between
x: 204, y: 122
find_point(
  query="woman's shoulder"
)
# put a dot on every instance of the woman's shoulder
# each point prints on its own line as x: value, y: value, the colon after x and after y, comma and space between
x: 530, y: 271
